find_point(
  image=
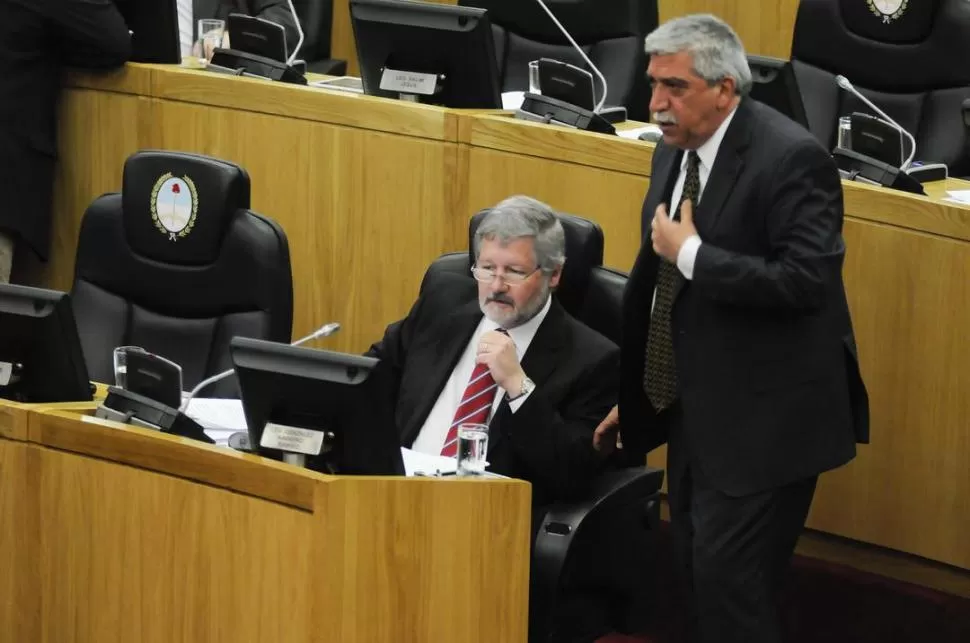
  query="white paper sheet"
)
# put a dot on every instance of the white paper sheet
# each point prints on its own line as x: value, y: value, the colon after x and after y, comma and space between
x: 220, y: 418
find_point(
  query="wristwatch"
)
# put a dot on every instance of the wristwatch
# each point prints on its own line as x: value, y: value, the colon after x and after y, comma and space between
x: 527, y: 387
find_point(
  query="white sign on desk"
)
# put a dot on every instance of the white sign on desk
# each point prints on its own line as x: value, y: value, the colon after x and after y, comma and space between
x: 291, y: 439
x: 6, y: 370
x: 409, y: 82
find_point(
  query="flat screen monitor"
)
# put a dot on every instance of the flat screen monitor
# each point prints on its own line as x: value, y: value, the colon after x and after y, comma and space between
x: 774, y: 84
x: 154, y: 29
x: 40, y: 352
x: 454, y: 43
x: 346, y: 397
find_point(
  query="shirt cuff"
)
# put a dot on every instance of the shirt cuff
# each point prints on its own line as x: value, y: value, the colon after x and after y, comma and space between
x: 687, y: 255
x: 517, y: 402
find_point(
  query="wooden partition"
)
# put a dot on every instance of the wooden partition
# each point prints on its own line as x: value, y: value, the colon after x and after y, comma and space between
x: 764, y: 27
x: 114, y: 534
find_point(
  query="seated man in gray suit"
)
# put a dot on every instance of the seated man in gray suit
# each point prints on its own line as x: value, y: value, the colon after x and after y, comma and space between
x: 191, y: 11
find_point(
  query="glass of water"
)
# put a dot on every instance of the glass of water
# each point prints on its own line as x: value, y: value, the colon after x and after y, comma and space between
x: 211, y: 32
x: 120, y: 356
x: 472, y: 449
x: 845, y: 133
x: 534, y: 87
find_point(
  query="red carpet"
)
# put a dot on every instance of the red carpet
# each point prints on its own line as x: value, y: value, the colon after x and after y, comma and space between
x: 832, y: 603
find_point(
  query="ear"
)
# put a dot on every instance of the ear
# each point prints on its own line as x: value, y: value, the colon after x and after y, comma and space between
x: 727, y: 89
x: 554, y: 278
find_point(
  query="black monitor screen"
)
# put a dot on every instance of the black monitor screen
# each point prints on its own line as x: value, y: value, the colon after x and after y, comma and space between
x: 453, y: 42
x: 40, y: 353
x: 774, y: 84
x: 345, y: 396
x: 154, y: 29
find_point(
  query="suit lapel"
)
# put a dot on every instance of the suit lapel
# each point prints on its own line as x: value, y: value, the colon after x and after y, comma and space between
x: 727, y: 167
x: 435, y: 356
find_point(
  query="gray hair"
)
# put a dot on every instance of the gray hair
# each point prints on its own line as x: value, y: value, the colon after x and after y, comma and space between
x: 521, y: 216
x: 714, y: 47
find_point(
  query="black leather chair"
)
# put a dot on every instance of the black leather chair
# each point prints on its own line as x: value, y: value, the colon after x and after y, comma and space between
x: 913, y: 66
x: 316, y: 19
x: 178, y: 264
x: 599, y: 547
x: 611, y: 32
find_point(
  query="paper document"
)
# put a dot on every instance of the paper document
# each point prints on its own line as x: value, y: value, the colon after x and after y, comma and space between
x: 635, y: 133
x: 512, y: 100
x: 220, y: 418
x: 417, y: 463
x: 959, y: 196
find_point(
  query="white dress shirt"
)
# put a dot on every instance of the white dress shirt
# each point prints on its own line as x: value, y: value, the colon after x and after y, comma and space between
x: 707, y: 153
x: 186, y: 29
x: 433, y: 433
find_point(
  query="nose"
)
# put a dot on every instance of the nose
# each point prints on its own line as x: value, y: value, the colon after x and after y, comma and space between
x: 658, y: 99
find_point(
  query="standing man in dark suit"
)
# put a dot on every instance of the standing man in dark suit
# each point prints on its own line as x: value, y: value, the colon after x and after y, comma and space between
x: 191, y: 11
x: 737, y: 344
x: 37, y: 39
x: 549, y: 378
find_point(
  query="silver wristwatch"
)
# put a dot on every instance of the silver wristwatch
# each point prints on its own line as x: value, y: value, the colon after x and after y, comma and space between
x: 527, y: 386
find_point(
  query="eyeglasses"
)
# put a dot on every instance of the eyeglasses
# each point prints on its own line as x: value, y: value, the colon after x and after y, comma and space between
x: 510, y: 276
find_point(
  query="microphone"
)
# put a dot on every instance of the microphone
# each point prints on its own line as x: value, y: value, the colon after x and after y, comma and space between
x: 324, y: 331
x: 844, y: 83
x: 602, y: 79
x: 289, y: 61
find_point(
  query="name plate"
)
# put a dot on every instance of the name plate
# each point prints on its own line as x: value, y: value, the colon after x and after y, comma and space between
x: 409, y: 82
x: 292, y: 439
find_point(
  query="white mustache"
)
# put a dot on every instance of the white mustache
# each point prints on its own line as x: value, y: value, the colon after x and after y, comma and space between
x: 664, y: 118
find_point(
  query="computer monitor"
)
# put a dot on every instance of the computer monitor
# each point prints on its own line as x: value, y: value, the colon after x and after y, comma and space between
x: 453, y: 43
x: 40, y: 352
x: 347, y: 397
x: 154, y: 29
x: 774, y: 84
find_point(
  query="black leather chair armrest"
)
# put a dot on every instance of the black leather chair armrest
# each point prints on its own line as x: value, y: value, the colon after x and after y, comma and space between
x: 572, y: 535
x: 328, y: 66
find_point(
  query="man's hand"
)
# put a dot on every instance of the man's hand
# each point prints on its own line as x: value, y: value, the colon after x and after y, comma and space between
x: 606, y: 437
x: 668, y: 235
x: 497, y: 351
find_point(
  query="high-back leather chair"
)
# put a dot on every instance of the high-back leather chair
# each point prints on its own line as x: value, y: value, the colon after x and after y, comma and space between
x: 912, y: 64
x: 611, y: 32
x: 570, y: 564
x: 178, y: 264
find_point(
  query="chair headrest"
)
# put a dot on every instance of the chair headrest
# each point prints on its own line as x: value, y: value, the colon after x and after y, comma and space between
x: 587, y: 21
x: 176, y: 207
x: 584, y: 250
x: 919, y: 47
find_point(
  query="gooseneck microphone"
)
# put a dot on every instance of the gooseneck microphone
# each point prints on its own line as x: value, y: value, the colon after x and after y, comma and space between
x: 602, y: 79
x: 324, y: 331
x: 844, y: 83
x: 296, y: 50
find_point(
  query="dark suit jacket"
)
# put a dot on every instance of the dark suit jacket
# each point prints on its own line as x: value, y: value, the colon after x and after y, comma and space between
x: 769, y: 382
x: 38, y: 38
x: 277, y: 11
x: 548, y: 441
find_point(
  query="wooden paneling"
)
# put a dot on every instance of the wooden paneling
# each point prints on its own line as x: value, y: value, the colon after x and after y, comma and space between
x: 19, y: 586
x: 764, y: 27
x: 97, y: 131
x: 910, y: 488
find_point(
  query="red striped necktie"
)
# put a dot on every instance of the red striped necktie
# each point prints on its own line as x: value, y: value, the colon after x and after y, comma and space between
x: 475, y: 405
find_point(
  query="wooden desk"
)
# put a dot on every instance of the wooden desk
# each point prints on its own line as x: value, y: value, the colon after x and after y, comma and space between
x: 114, y: 533
x: 764, y: 27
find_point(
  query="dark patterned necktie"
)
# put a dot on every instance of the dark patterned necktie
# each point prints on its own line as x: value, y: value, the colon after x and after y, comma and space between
x: 659, y: 371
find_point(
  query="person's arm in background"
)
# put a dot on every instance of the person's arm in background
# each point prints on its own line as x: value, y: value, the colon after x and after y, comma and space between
x: 93, y: 34
x: 278, y: 11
